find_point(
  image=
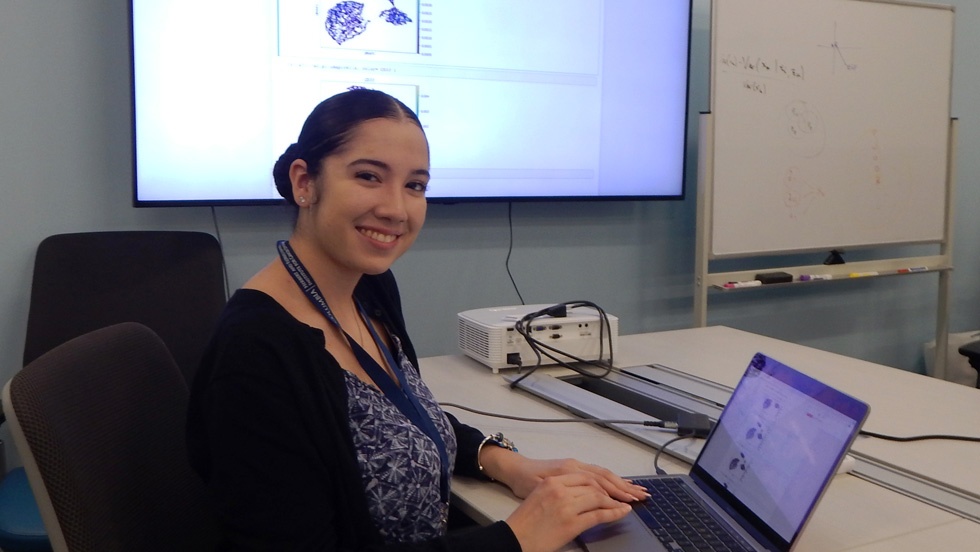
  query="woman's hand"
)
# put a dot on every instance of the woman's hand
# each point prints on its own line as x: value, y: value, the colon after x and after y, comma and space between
x: 523, y: 474
x: 560, y: 508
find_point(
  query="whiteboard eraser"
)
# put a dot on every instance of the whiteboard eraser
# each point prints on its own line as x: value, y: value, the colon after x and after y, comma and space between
x: 774, y: 277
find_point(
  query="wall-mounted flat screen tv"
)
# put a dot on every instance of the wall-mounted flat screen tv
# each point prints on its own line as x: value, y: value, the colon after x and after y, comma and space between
x: 520, y: 99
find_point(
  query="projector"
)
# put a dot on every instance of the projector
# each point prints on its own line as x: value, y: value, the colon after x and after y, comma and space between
x: 488, y: 335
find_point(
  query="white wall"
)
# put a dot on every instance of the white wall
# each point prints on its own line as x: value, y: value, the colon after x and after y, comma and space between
x: 65, y: 166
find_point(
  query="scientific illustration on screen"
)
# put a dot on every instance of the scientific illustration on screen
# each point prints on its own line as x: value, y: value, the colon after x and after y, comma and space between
x: 369, y: 25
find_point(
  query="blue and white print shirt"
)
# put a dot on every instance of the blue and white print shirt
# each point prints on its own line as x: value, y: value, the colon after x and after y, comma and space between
x: 399, y: 463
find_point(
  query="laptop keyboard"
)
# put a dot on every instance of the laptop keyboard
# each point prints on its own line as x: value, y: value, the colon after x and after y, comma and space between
x: 680, y: 520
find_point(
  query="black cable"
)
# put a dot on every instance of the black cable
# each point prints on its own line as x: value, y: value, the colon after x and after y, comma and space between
x: 510, y: 248
x: 647, y: 423
x: 224, y: 265
x: 661, y: 449
x: 920, y: 437
x: 600, y: 421
x: 557, y: 311
x: 524, y: 327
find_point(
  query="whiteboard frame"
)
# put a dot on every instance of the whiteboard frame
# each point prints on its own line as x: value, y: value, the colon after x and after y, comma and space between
x: 738, y: 205
x: 705, y: 280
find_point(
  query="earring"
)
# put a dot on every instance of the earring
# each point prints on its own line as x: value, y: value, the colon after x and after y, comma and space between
x: 302, y: 200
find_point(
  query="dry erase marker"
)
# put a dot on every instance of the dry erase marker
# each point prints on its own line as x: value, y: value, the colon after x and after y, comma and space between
x: 913, y: 269
x: 809, y: 277
x: 861, y: 274
x: 749, y: 283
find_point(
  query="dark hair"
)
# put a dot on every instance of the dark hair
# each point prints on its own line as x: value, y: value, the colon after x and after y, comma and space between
x: 328, y: 128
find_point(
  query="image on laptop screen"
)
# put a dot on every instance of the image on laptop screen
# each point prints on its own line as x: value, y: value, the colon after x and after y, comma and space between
x: 777, y: 442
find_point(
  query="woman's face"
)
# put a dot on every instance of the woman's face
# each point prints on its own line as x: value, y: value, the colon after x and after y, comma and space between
x: 368, y: 203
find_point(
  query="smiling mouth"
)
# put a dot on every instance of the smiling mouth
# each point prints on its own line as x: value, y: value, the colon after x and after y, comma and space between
x: 378, y: 236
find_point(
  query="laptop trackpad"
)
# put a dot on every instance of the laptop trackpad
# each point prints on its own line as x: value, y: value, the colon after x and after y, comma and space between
x: 625, y: 535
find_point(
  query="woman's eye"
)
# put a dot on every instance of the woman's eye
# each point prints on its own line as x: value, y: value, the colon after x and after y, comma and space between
x: 368, y: 176
x: 418, y: 186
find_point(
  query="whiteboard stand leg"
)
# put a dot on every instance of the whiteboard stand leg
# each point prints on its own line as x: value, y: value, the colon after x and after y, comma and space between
x: 942, y: 326
x: 703, y: 232
x: 946, y: 250
x: 700, y: 304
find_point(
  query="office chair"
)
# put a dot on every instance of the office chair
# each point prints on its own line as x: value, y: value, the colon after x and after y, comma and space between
x: 972, y: 352
x: 99, y: 422
x: 170, y: 281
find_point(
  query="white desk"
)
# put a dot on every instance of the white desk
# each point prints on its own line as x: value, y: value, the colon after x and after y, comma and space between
x: 854, y: 515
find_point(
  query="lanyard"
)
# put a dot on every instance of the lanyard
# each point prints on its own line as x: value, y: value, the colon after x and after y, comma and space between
x: 399, y: 394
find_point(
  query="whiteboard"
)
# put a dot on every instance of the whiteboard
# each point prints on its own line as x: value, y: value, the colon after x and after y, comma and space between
x: 831, y: 124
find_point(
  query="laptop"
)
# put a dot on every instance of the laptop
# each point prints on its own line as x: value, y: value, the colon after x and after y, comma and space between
x: 765, y: 465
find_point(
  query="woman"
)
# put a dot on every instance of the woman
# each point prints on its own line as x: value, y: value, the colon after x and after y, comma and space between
x: 308, y: 420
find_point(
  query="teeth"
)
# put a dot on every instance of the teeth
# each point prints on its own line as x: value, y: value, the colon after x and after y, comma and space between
x: 385, y: 238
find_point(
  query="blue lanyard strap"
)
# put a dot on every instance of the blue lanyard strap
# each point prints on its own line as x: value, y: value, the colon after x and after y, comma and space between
x: 399, y: 394
x: 304, y: 280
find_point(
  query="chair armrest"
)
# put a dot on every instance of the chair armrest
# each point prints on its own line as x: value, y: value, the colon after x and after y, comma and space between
x: 972, y: 352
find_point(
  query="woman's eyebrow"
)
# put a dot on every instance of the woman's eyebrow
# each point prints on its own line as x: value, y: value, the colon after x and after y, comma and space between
x: 384, y: 166
x: 374, y: 162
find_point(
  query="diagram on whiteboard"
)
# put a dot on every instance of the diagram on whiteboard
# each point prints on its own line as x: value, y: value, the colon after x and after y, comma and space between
x: 799, y: 193
x: 805, y: 128
x: 840, y: 59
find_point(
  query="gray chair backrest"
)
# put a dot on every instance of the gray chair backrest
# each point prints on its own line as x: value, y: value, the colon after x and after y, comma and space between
x: 99, y: 423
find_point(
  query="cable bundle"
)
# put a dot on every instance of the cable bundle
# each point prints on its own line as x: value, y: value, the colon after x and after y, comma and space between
x: 525, y: 325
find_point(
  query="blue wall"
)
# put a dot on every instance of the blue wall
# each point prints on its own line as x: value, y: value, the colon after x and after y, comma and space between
x: 65, y: 167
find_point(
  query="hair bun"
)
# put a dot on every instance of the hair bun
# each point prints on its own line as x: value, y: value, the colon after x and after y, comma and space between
x: 280, y: 172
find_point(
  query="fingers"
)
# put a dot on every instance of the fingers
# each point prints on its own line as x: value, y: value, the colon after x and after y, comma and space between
x: 622, y: 489
x: 596, y: 516
x: 561, y: 508
x: 584, y: 501
x: 524, y: 475
x: 615, y: 486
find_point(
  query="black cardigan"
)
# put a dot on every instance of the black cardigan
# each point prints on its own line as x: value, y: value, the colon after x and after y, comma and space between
x: 268, y: 432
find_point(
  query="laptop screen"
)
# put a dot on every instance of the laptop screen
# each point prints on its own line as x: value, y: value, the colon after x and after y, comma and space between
x: 779, y: 439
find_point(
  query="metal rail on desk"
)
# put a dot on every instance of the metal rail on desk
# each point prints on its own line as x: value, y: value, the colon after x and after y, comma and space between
x: 681, y: 391
x: 919, y: 487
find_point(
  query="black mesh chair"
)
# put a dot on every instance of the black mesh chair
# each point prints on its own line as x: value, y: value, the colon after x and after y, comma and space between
x: 171, y: 281
x: 99, y: 422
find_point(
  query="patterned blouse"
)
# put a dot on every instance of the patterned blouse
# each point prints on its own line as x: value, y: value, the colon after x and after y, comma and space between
x: 399, y: 463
